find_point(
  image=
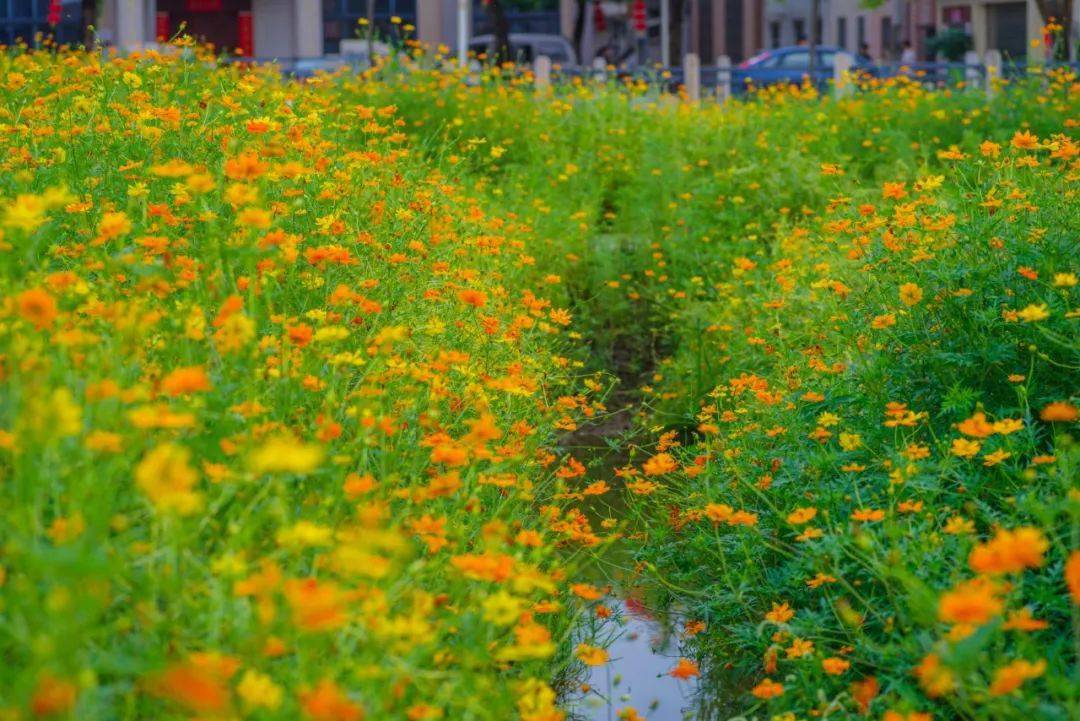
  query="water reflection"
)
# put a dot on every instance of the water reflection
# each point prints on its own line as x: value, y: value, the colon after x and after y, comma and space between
x: 636, y: 682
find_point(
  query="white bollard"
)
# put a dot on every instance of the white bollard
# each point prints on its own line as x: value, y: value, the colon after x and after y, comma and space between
x: 692, y: 76
x: 542, y: 73
x: 723, y: 79
x: 971, y: 69
x: 992, y: 61
x: 599, y: 69
x: 842, y: 80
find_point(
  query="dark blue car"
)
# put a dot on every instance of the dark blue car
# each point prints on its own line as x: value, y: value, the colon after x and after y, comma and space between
x: 791, y: 65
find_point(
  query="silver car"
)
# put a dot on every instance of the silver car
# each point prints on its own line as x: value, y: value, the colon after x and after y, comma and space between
x: 527, y: 47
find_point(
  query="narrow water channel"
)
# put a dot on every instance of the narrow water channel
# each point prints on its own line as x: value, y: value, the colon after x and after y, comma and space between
x: 636, y: 682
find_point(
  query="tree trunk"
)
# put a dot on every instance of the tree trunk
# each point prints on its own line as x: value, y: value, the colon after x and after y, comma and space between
x: 579, y: 28
x: 501, y: 31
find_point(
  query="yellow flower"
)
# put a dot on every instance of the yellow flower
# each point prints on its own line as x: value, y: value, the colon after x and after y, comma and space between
x: 25, y: 213
x: 501, y: 608
x: 167, y: 478
x: 285, y: 455
x: 591, y: 655
x: 992, y: 459
x: 257, y: 690
x: 305, y: 534
x: 1034, y: 313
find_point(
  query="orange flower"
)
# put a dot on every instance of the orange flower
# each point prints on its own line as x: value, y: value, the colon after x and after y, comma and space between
x: 910, y: 294
x: 300, y: 334
x: 1009, y: 551
x: 767, y: 689
x: 1011, y: 677
x: 198, y: 688
x: 475, y: 298
x: 1059, y: 412
x: 780, y: 613
x: 934, y: 678
x: 660, y: 464
x: 894, y: 191
x: 684, y: 669
x: 245, y: 167
x: 834, y: 665
x: 485, y: 566
x: 182, y: 381
x: 971, y: 602
x: 801, y: 515
x: 1025, y: 140
x: 37, y: 307
x: 1022, y: 620
x: 327, y: 702
x: 1072, y: 576
x: 977, y: 426
x: 316, y: 606
x: 963, y: 448
x: 864, y: 692
x: 52, y: 696
x: 891, y: 715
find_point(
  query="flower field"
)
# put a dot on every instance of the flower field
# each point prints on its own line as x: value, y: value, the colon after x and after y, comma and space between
x: 293, y: 375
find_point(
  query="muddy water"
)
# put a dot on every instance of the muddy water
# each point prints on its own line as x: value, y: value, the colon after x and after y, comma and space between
x: 643, y: 644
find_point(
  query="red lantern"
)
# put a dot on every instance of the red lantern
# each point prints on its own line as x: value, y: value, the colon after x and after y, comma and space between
x: 599, y: 21
x: 54, y: 12
x: 246, y: 32
x: 638, y: 17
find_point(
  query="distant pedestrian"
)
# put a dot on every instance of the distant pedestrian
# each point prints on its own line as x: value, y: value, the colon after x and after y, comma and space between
x: 864, y: 53
x: 907, y: 55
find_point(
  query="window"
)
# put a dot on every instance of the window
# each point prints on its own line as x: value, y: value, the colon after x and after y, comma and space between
x: 795, y: 60
x: 774, y: 34
x: 886, y: 35
x: 841, y: 32
x: 800, y: 30
x: 826, y: 59
x: 818, y: 31
x: 860, y: 31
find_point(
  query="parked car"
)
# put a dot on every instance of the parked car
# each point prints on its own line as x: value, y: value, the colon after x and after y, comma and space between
x: 526, y: 47
x: 792, y: 65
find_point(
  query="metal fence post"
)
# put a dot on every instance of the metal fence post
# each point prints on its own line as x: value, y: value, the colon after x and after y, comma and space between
x: 692, y: 76
x: 542, y: 73
x: 971, y: 69
x: 842, y: 74
x: 992, y: 61
x: 723, y: 78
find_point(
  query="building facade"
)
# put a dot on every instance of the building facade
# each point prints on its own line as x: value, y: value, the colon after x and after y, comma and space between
x: 1014, y: 28
x: 293, y: 29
